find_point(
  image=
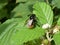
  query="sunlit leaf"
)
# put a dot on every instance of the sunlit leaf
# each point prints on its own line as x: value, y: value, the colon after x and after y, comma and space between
x: 24, y: 9
x: 56, y: 38
x: 20, y: 10
x: 16, y: 33
x: 44, y: 12
x: 58, y: 22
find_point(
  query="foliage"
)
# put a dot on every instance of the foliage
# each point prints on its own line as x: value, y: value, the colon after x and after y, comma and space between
x: 56, y: 38
x: 14, y: 15
x: 56, y: 3
x: 45, y: 11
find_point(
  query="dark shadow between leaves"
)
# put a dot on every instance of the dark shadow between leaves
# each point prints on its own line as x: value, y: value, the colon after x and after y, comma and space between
x: 50, y: 1
x: 53, y: 42
x: 3, y: 13
x: 56, y: 11
x: 3, y: 19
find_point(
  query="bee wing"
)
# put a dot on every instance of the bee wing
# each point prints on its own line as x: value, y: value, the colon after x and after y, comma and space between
x: 30, y: 22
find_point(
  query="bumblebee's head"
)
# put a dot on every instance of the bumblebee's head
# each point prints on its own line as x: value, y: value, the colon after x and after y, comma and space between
x: 33, y: 16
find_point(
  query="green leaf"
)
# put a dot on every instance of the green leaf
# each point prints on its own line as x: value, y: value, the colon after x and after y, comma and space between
x: 3, y: 10
x: 20, y: 10
x: 21, y: 1
x: 16, y: 33
x: 28, y: 0
x: 5, y: 25
x: 58, y: 22
x: 56, y: 3
x: 23, y: 9
x: 44, y: 12
x: 3, y: 13
x: 3, y: 3
x: 57, y: 38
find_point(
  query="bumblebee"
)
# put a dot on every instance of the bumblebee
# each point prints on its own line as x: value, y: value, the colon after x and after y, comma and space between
x: 32, y: 21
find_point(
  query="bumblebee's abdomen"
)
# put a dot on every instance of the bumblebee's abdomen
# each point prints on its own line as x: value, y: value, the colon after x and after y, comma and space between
x: 31, y: 26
